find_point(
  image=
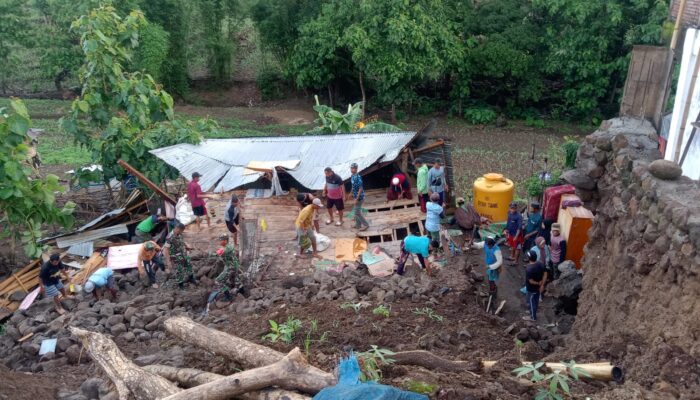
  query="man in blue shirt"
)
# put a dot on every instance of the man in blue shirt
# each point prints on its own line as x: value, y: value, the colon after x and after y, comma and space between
x: 421, y: 247
x: 433, y: 216
x: 100, y: 280
x: 493, y: 259
x: 358, y: 194
x: 534, y: 225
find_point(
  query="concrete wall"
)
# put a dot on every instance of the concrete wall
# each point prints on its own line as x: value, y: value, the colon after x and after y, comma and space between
x: 640, y: 304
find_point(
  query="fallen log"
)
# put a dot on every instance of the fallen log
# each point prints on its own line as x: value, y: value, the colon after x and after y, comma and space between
x: 430, y: 361
x: 190, y: 377
x: 128, y: 378
x: 292, y: 372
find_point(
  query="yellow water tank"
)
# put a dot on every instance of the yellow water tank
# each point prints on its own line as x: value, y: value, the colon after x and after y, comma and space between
x: 493, y: 193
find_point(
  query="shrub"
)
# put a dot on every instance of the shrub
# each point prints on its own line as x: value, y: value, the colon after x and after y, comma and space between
x: 271, y: 84
x: 480, y: 115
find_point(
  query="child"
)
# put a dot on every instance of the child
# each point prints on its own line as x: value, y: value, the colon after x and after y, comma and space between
x: 493, y: 259
x: 513, y: 233
x: 434, y: 214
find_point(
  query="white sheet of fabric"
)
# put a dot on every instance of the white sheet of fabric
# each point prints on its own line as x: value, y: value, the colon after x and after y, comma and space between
x: 183, y: 211
x: 276, y: 186
x: 322, y: 242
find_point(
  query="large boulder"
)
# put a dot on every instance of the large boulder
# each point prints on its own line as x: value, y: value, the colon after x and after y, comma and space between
x: 665, y: 169
x: 579, y: 179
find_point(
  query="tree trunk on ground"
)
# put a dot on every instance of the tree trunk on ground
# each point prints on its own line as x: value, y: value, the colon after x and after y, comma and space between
x: 248, y: 354
x: 127, y: 376
x: 189, y: 377
x: 291, y: 372
x: 430, y: 361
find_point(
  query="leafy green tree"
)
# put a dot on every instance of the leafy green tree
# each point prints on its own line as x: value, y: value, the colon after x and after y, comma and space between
x: 152, y: 51
x: 14, y: 33
x: 120, y: 114
x: 587, y: 43
x: 27, y: 202
x: 217, y: 19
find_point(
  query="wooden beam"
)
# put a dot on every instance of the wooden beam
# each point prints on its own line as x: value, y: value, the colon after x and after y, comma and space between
x: 138, y: 175
x: 431, y: 146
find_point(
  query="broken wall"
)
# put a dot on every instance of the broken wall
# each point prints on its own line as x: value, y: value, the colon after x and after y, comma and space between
x: 640, y: 302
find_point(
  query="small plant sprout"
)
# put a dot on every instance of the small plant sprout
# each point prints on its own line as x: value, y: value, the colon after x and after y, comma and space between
x: 429, y: 312
x: 382, y: 310
x: 284, y: 332
x: 553, y: 385
x: 371, y: 361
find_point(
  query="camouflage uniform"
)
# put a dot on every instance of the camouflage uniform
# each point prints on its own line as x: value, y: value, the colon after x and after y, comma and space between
x: 228, y: 278
x: 179, y: 257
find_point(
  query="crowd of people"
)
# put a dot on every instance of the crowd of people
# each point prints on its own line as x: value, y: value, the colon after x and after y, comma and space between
x: 543, y: 249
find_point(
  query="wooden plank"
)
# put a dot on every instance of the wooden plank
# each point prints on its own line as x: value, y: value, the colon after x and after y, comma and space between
x: 138, y: 175
x: 25, y: 337
x: 20, y: 283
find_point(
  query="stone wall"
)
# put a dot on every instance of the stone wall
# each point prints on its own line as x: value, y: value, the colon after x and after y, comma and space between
x: 640, y: 304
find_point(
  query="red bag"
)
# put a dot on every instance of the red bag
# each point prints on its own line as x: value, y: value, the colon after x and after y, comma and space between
x: 552, y: 198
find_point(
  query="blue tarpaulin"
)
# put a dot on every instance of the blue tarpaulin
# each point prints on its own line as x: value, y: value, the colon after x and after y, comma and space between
x: 349, y: 387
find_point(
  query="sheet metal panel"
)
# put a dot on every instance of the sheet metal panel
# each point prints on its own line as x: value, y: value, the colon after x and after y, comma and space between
x: 212, y: 156
x: 90, y: 236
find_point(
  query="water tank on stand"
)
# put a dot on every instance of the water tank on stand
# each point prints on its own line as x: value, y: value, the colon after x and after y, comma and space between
x: 493, y: 194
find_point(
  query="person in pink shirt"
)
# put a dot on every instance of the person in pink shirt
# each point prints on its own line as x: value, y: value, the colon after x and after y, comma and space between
x: 196, y: 197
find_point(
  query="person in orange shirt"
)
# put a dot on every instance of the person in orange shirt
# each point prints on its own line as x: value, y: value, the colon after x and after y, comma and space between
x: 149, y: 261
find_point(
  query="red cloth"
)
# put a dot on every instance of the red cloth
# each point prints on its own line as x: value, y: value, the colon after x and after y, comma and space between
x: 552, y: 198
x: 515, y: 242
x: 395, y: 190
x: 193, y: 192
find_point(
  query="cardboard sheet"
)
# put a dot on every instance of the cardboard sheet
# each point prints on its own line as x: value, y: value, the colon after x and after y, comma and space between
x: 123, y: 257
x: 349, y: 249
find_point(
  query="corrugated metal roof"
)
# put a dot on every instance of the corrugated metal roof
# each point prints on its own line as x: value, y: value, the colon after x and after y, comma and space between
x: 82, y: 249
x: 89, y: 236
x: 226, y: 158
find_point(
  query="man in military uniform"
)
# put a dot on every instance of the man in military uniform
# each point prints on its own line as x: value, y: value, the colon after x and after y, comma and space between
x: 229, y: 278
x: 175, y: 251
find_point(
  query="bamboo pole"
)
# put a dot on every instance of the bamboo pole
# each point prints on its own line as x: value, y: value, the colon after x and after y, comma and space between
x: 600, y: 371
x: 138, y: 175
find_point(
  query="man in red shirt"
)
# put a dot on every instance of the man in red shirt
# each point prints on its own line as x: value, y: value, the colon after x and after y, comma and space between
x: 196, y: 197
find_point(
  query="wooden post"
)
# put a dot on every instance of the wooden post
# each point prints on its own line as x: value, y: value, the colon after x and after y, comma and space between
x: 146, y: 182
x: 677, y: 26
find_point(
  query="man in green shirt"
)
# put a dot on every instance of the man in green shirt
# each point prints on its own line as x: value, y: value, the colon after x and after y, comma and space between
x: 422, y: 183
x: 144, y: 230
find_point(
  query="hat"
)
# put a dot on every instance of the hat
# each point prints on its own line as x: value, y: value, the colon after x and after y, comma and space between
x: 539, y: 241
x: 460, y: 199
x: 513, y: 205
x: 317, y: 202
x: 535, y: 205
x: 55, y: 257
x: 149, y: 246
x: 353, y: 165
x: 395, y: 181
x: 196, y: 175
x: 532, y: 255
x: 223, y: 237
x: 89, y: 286
x: 556, y: 227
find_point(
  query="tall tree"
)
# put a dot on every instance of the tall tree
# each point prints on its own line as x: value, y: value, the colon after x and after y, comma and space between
x: 14, y: 32
x: 121, y: 114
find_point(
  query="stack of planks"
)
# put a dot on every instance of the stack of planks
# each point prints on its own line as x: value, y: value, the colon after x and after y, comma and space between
x: 97, y: 260
x: 26, y: 279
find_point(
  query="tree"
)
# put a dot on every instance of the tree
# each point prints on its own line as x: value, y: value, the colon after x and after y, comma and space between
x: 217, y: 22
x: 14, y: 32
x: 27, y: 202
x: 152, y: 51
x: 123, y: 115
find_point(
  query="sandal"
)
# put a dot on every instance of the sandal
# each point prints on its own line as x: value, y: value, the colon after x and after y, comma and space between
x: 329, y: 221
x: 338, y: 223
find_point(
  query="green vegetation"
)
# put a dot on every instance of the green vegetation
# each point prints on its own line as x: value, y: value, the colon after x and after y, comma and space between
x: 371, y: 361
x: 420, y: 387
x: 554, y: 385
x: 27, y: 201
x: 283, y: 331
x: 120, y: 114
x: 429, y: 312
x: 382, y: 310
x: 570, y: 147
x: 308, y: 340
x: 352, y: 306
